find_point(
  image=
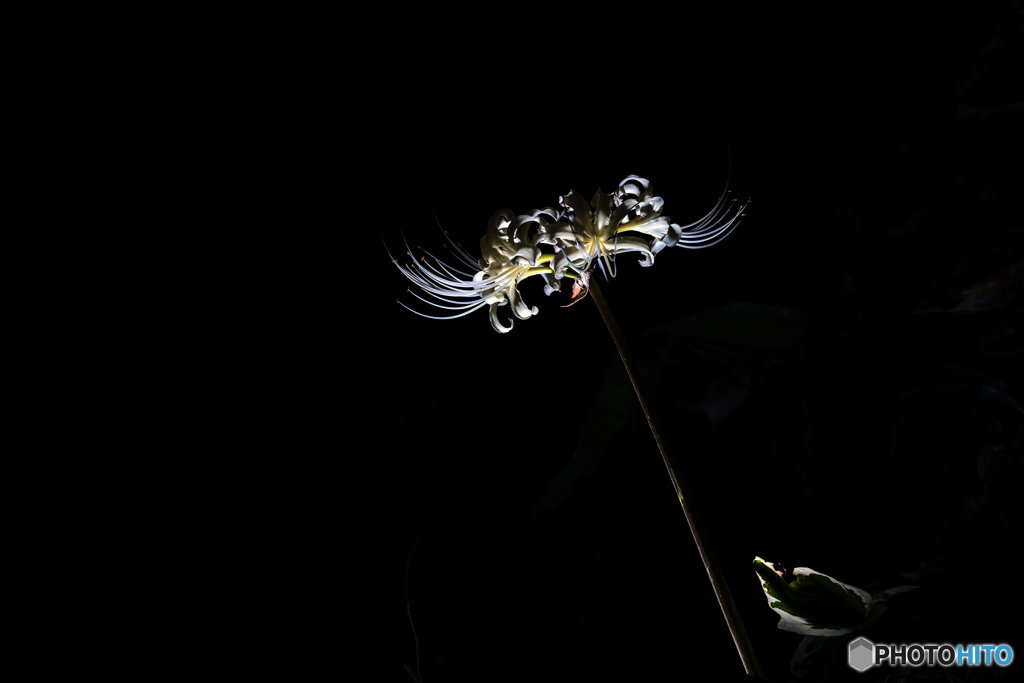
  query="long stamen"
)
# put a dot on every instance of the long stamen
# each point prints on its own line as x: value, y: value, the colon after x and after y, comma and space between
x: 502, y: 279
x: 452, y: 272
x: 721, y: 232
x: 432, y: 273
x: 451, y: 308
x: 706, y: 223
x: 415, y: 278
x: 429, y: 275
x: 447, y: 287
x: 613, y: 267
x: 450, y: 301
x: 427, y: 280
x: 456, y: 247
x: 425, y: 265
x: 443, y: 317
x: 444, y: 265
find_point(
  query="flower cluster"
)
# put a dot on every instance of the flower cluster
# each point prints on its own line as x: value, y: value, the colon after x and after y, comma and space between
x: 559, y: 243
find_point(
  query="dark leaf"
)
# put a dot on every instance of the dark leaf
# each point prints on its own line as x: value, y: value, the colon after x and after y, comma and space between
x: 745, y: 325
x: 614, y: 406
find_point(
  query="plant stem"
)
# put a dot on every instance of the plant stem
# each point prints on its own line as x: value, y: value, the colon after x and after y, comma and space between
x: 721, y: 588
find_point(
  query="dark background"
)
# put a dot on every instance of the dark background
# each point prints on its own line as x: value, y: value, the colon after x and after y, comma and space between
x: 875, y: 439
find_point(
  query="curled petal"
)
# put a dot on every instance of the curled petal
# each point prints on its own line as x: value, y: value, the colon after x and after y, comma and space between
x: 560, y: 234
x: 578, y: 212
x: 493, y: 313
x: 519, y: 307
x: 551, y: 283
x: 672, y: 236
x: 493, y: 288
x: 627, y: 244
x: 519, y: 230
x: 633, y: 185
x: 652, y: 223
x: 656, y: 204
x: 526, y: 254
x: 559, y: 263
x: 494, y: 247
x: 570, y: 257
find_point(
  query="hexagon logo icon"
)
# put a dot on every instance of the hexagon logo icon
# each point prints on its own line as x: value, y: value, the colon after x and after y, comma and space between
x: 861, y: 655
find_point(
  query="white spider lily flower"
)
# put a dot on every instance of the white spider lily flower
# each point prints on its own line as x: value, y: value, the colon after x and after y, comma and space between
x: 502, y: 266
x: 643, y: 212
x: 527, y: 248
x: 591, y: 234
x: 507, y: 257
x: 581, y: 235
x: 597, y: 231
x: 707, y: 231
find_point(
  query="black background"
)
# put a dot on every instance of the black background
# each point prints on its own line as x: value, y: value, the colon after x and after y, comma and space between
x: 332, y: 428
